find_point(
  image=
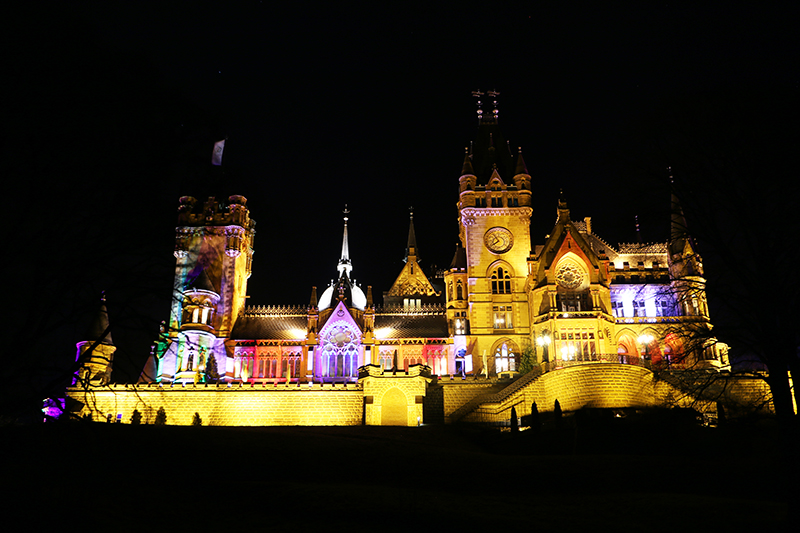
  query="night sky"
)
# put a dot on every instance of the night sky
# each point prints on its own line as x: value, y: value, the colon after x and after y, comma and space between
x: 115, y: 109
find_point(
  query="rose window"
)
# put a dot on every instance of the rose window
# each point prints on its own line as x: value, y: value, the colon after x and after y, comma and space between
x: 569, y: 276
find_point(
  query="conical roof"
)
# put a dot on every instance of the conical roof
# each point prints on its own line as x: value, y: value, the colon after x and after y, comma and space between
x: 460, y: 258
x: 100, y: 326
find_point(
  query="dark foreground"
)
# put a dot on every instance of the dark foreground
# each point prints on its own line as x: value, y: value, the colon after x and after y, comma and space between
x: 134, y: 478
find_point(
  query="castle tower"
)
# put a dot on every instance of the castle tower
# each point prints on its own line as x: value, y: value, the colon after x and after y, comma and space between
x: 213, y: 251
x: 689, y: 289
x: 494, y: 216
x: 96, y: 353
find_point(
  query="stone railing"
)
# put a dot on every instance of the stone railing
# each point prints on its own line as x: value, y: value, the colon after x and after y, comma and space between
x: 596, y: 358
x: 652, y: 319
x: 424, y: 309
x: 276, y: 310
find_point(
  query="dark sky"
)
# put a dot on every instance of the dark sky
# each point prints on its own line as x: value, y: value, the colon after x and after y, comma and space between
x: 115, y: 109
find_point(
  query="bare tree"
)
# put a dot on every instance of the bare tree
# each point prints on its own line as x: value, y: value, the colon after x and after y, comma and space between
x: 734, y: 175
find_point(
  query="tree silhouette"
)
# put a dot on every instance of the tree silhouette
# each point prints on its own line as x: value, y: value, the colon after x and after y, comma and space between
x: 734, y: 175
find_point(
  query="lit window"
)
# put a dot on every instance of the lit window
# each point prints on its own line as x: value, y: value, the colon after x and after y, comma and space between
x: 504, y: 359
x: 502, y: 317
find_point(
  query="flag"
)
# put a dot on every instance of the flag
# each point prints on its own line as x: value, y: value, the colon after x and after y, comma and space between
x: 216, y: 157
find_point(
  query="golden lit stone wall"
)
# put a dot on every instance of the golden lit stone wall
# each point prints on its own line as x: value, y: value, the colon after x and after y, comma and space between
x: 460, y: 393
x: 600, y: 385
x: 394, y: 399
x: 222, y: 406
x: 740, y: 394
x: 604, y: 385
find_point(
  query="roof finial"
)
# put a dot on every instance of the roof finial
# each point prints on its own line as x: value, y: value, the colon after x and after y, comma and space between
x: 638, y: 233
x: 345, y: 266
x: 478, y: 94
x: 493, y: 95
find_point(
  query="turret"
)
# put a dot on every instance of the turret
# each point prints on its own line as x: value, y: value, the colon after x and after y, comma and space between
x: 96, y: 353
x: 522, y: 180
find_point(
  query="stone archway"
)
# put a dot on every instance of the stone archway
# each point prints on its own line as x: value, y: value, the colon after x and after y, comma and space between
x: 394, y: 408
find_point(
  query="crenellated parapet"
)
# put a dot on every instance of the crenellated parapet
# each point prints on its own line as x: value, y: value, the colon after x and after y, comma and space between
x: 214, y: 213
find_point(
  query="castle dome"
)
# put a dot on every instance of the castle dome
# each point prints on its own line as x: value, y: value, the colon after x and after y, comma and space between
x: 352, y: 293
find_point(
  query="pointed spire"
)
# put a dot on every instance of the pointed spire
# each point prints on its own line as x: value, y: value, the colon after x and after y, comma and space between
x: 313, y: 302
x: 459, y: 258
x: 466, y: 168
x: 345, y: 267
x: 521, y: 168
x: 411, y: 247
x: 369, y: 295
x: 100, y: 324
x: 678, y: 229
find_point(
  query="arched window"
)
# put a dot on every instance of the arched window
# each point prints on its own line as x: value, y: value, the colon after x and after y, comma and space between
x: 501, y: 281
x: 339, y: 355
x: 504, y: 359
x: 459, y: 291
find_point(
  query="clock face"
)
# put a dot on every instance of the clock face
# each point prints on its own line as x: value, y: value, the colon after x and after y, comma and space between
x: 498, y: 240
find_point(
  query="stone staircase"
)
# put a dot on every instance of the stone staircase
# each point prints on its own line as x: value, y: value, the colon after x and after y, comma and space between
x: 495, y: 394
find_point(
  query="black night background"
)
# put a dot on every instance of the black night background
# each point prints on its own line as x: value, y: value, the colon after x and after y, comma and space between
x: 112, y: 110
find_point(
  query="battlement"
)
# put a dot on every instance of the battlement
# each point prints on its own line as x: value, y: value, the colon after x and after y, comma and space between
x: 214, y: 213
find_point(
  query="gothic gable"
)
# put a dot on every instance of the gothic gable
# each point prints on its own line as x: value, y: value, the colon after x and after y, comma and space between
x: 412, y: 281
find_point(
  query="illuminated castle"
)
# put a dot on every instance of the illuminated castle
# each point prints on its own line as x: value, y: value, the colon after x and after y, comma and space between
x: 587, y: 321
